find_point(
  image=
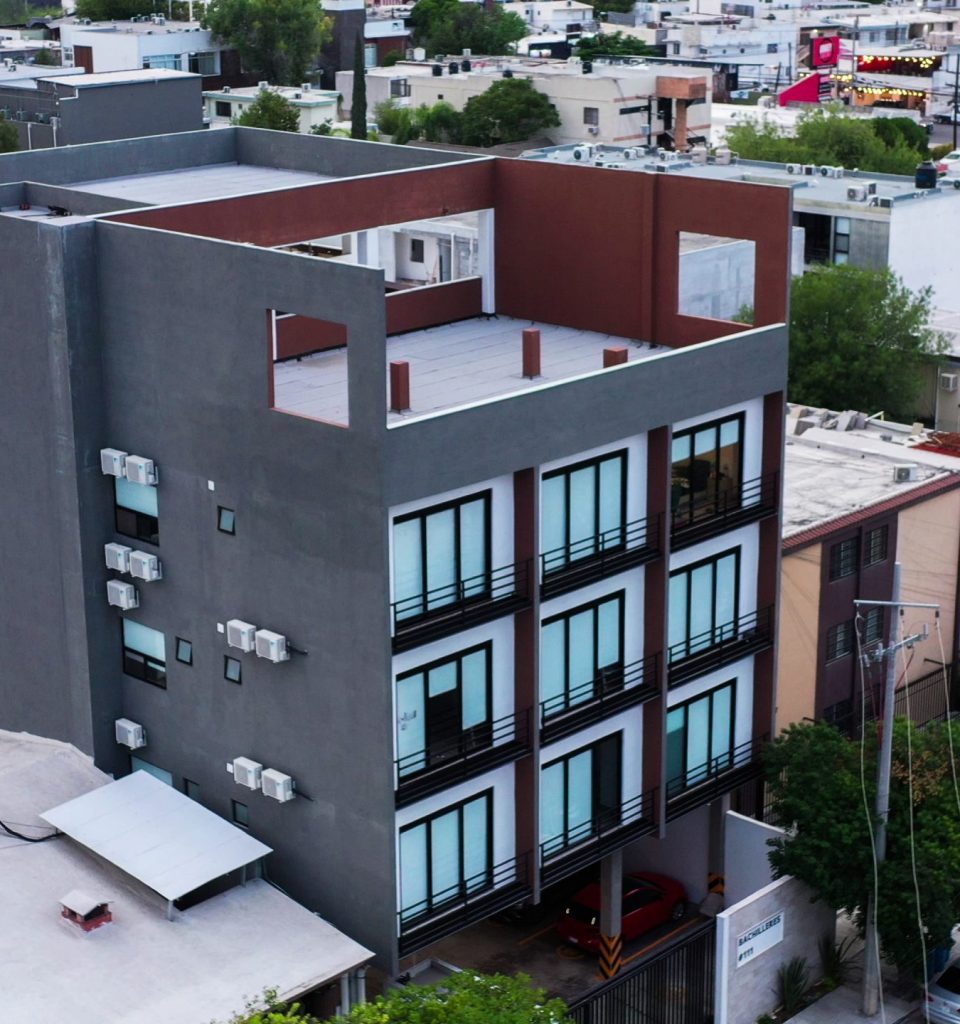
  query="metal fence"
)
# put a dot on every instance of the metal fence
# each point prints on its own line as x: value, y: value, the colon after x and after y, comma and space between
x: 675, y: 986
x: 925, y: 697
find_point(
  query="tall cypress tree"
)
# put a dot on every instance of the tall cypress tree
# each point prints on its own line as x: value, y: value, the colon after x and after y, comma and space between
x: 358, y: 109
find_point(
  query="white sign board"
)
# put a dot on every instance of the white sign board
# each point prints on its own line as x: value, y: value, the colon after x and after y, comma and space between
x: 760, y: 938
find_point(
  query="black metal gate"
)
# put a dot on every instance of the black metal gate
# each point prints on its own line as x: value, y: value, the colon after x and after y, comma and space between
x: 675, y: 986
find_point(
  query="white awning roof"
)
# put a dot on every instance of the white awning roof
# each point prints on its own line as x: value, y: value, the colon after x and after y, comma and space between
x: 159, y: 836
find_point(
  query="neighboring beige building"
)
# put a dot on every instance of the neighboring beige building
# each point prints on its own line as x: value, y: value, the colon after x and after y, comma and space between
x: 613, y: 103
x: 315, y: 106
x: 860, y: 495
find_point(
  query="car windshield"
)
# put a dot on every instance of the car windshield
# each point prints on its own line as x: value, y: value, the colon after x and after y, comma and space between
x: 581, y: 913
x: 950, y: 979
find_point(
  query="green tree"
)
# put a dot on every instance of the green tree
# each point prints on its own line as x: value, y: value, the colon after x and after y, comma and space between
x: 450, y: 27
x: 859, y: 339
x: 46, y: 58
x: 270, y: 110
x: 9, y: 137
x: 511, y: 110
x: 278, y: 39
x: 440, y: 123
x: 114, y: 10
x: 358, y: 106
x: 614, y: 44
x: 465, y: 998
x: 814, y: 776
x: 267, y: 1009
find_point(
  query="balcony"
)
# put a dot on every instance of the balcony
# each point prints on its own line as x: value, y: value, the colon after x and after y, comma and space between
x: 445, y: 610
x: 474, y: 899
x: 593, y: 839
x: 719, y: 775
x: 719, y: 646
x: 612, y: 691
x: 712, y: 514
x: 461, y: 755
x: 593, y: 558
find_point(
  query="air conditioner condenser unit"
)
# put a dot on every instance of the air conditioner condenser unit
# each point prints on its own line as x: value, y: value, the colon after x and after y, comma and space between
x: 117, y: 556
x: 130, y: 734
x: 247, y: 772
x: 112, y: 461
x: 241, y: 635
x: 145, y: 566
x: 122, y: 595
x: 276, y: 785
x: 272, y: 646
x: 139, y: 470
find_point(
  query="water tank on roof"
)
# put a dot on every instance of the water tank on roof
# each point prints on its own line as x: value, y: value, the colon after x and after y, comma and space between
x: 465, y: 66
x: 925, y: 175
x: 507, y: 73
x: 437, y: 70
x: 454, y: 68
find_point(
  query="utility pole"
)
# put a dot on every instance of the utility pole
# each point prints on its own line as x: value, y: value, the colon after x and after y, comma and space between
x: 871, y: 952
x: 956, y: 95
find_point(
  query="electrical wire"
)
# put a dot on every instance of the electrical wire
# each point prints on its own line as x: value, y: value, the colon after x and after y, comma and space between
x: 28, y: 839
x: 857, y: 621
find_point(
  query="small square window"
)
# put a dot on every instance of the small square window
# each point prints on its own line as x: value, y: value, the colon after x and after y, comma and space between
x: 191, y: 789
x: 223, y: 109
x: 591, y: 115
x: 226, y: 520
x: 184, y: 651
x: 840, y: 640
x: 843, y: 559
x: 416, y: 250
x: 876, y: 546
x: 232, y: 669
x: 873, y: 626
x: 240, y: 814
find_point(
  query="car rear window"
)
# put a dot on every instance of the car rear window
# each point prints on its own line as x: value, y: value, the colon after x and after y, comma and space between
x: 950, y: 979
x: 581, y: 913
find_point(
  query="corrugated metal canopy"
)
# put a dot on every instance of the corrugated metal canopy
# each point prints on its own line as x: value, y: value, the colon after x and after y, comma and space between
x: 159, y: 836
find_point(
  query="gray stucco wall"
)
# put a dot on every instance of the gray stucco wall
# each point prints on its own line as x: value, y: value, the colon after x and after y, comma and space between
x: 746, y: 856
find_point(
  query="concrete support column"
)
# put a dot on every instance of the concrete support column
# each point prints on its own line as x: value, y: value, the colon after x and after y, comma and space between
x: 611, y: 904
x: 680, y: 125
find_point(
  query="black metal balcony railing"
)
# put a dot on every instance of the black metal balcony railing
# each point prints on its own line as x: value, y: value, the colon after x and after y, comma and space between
x: 420, y: 618
x: 603, y: 833
x: 462, y: 754
x: 600, y: 555
x: 613, y: 690
x: 719, y: 646
x: 699, y: 785
x: 712, y: 514
x: 468, y: 901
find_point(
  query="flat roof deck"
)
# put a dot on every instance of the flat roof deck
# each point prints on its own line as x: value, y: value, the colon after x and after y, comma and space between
x: 213, y: 181
x: 451, y: 366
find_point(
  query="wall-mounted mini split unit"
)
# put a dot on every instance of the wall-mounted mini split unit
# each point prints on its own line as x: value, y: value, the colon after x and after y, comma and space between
x: 794, y: 168
x: 117, y: 556
x: 246, y: 772
x: 122, y: 595
x: 139, y: 470
x: 276, y: 785
x: 583, y: 152
x: 831, y: 172
x: 241, y: 635
x: 145, y: 566
x: 112, y: 461
x: 906, y: 473
x: 948, y: 381
x: 130, y: 734
x: 272, y: 646
x: 857, y: 193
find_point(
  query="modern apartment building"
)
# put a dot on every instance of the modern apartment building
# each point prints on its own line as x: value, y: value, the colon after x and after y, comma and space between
x: 510, y: 541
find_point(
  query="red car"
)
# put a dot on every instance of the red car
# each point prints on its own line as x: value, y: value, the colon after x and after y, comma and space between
x: 648, y: 900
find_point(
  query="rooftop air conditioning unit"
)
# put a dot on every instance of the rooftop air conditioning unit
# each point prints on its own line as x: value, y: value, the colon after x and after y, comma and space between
x: 242, y: 635
x: 948, y: 381
x: 857, y: 193
x: 145, y: 566
x: 794, y: 168
x: 886, y: 202
x: 809, y: 169
x: 130, y: 734
x: 112, y: 462
x: 247, y: 772
x: 226, y: 88
x: 871, y: 187
x: 139, y: 470
x: 117, y: 556
x: 276, y: 785
x: 831, y: 172
x: 582, y: 152
x: 905, y: 474
x: 272, y: 646
x: 122, y: 595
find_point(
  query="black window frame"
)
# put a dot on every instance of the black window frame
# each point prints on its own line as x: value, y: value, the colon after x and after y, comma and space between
x: 191, y: 789
x: 872, y: 628
x: 599, y: 820
x: 228, y: 660
x: 138, y: 665
x: 417, y: 250
x: 599, y: 539
x: 731, y: 499
x: 235, y: 818
x: 188, y: 660
x: 473, y: 738
x: 232, y: 530
x: 219, y: 111
x: 591, y: 116
x: 433, y: 904
x: 844, y: 559
x: 423, y: 514
x: 731, y: 747
x: 715, y: 627
x: 875, y: 545
x: 139, y: 525
x: 606, y: 678
x: 840, y: 640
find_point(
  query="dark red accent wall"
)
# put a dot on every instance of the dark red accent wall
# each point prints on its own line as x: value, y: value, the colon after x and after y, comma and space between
x: 413, y: 309
x: 329, y: 208
x: 299, y: 335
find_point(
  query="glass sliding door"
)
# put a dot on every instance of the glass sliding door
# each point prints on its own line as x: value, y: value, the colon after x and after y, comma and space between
x: 707, y: 470
x: 704, y: 604
x: 700, y: 739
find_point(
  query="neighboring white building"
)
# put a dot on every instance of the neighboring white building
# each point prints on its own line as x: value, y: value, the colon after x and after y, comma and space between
x: 570, y: 18
x: 314, y: 106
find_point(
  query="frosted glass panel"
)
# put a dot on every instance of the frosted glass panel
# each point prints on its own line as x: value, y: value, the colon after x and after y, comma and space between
x: 407, y: 567
x: 698, y: 739
x: 580, y: 648
x: 720, y: 737
x: 726, y: 590
x: 701, y: 605
x: 583, y: 512
x: 552, y: 661
x: 474, y: 682
x: 608, y: 633
x: 610, y: 499
x: 441, y: 561
x: 413, y: 870
x: 475, y: 845
x: 473, y: 545
x: 443, y: 679
x: 579, y: 802
x: 143, y: 639
x: 554, y: 525
x: 410, y: 723
x: 445, y: 856
x: 551, y: 802
x: 677, y: 626
x: 138, y: 497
